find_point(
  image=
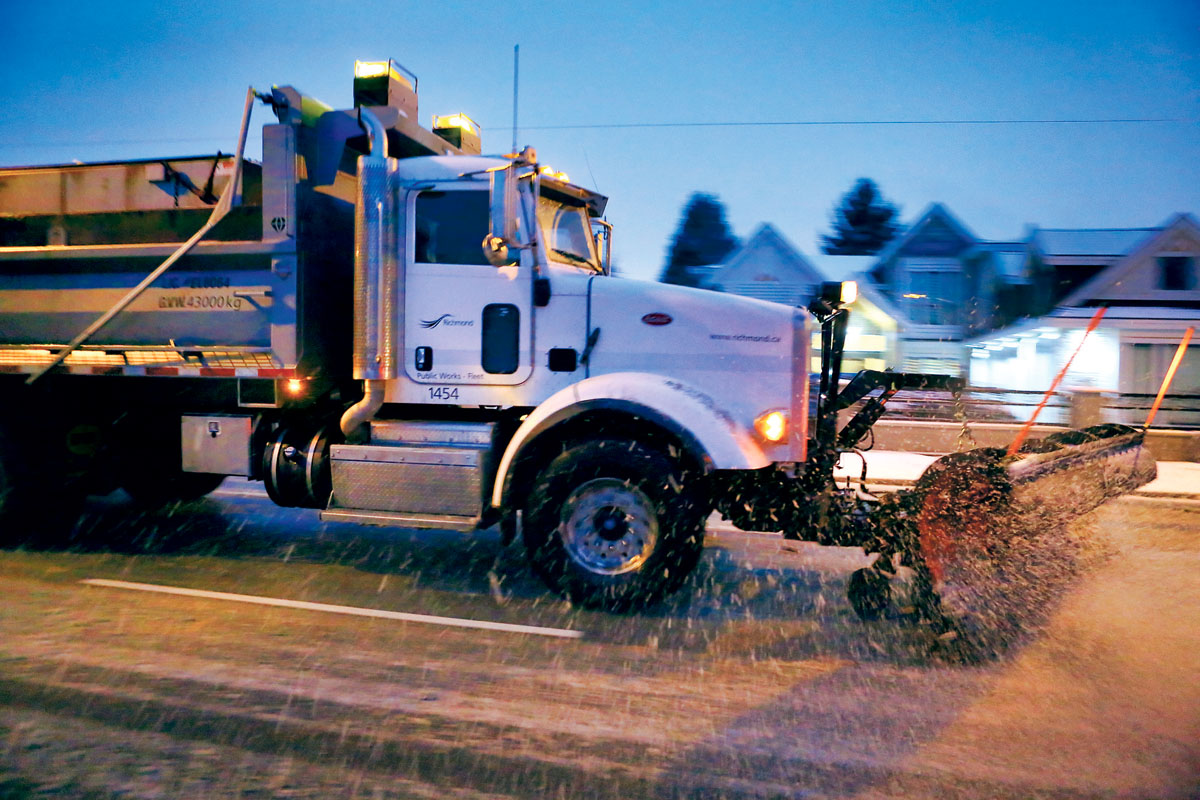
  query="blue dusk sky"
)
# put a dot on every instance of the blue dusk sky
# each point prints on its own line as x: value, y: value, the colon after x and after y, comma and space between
x: 124, y: 79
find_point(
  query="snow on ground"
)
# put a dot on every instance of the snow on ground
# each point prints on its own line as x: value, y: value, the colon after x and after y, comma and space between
x: 885, y: 465
x: 889, y: 466
x: 1175, y: 477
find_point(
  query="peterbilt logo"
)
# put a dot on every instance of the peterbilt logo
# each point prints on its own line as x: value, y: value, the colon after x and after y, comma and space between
x: 657, y: 318
x: 447, y: 320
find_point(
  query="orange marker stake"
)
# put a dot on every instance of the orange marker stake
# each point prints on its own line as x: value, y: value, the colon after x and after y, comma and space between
x: 1023, y: 434
x: 1166, y: 384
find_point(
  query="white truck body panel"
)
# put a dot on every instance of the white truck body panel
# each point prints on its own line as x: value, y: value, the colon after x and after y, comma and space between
x: 726, y: 442
x: 741, y: 353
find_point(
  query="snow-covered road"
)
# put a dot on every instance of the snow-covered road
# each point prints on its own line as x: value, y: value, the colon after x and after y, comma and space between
x: 1175, y: 478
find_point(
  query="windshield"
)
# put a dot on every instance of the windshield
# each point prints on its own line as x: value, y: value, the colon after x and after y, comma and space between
x: 567, y: 232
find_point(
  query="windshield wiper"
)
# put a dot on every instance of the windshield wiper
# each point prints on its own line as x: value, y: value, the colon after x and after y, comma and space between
x: 578, y: 259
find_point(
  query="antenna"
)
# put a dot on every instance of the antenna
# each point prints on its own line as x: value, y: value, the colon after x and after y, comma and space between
x: 516, y: 73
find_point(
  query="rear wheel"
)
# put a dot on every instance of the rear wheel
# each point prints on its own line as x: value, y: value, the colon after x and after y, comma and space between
x: 614, y: 524
x: 14, y: 497
x: 39, y: 504
x: 155, y: 489
x: 149, y: 464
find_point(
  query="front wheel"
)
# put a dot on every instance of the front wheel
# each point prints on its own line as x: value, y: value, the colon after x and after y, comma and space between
x: 614, y: 524
x: 870, y: 593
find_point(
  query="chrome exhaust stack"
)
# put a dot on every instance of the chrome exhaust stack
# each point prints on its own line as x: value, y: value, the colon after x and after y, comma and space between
x: 377, y: 278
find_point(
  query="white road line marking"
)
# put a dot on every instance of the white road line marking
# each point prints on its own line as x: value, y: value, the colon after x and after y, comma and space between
x: 453, y: 622
x: 1181, y: 500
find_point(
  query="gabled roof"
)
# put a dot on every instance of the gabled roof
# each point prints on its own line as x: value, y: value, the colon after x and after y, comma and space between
x: 934, y: 211
x: 1089, y: 241
x: 1004, y: 247
x: 765, y: 246
x: 1117, y: 272
x: 842, y: 268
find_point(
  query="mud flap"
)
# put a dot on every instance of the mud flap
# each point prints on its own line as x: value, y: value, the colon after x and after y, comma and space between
x: 993, y: 533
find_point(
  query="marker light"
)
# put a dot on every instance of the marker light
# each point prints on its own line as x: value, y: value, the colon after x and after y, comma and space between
x: 455, y: 121
x: 371, y: 69
x: 295, y: 386
x: 460, y: 131
x: 385, y: 83
x: 772, y: 426
x: 550, y: 172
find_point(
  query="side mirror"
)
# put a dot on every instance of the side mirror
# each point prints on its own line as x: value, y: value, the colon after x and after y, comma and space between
x: 602, y: 232
x: 495, y: 250
x: 502, y: 216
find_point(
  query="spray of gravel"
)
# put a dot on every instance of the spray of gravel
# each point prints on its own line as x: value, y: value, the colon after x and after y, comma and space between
x: 1001, y: 551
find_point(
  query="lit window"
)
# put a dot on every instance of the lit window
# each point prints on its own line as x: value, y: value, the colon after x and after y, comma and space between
x: 934, y: 297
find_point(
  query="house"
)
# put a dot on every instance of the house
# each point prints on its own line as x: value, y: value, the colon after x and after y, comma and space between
x: 1073, y: 257
x: 1152, y: 295
x: 876, y: 327
x: 944, y: 282
x: 769, y: 267
x: 1024, y: 281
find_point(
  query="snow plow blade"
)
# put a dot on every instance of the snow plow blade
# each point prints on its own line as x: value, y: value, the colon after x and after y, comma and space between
x: 993, y: 532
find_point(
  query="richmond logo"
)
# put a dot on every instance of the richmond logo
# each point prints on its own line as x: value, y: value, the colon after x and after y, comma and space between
x: 449, y: 321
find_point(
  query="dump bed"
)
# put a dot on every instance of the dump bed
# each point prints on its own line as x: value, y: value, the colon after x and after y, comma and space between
x: 265, y: 294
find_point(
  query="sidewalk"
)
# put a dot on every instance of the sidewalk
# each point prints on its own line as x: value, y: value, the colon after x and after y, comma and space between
x: 1180, y: 479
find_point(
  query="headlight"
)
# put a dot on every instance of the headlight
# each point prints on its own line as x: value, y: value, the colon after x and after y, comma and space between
x: 772, y: 426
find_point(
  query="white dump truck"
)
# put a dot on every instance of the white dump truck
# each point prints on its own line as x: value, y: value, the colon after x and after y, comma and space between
x: 379, y: 322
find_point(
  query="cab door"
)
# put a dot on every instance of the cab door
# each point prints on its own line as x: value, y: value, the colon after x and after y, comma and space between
x: 466, y: 322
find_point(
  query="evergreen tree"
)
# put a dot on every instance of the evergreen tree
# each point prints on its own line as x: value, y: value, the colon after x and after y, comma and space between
x: 703, y: 238
x: 862, y: 223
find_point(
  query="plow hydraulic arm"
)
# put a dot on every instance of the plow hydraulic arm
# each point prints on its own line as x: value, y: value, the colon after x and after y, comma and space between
x: 868, y: 381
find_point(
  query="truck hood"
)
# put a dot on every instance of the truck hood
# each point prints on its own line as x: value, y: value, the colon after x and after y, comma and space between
x: 641, y: 319
x: 741, y: 352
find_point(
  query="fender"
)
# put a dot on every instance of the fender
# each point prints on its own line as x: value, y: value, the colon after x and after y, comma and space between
x: 718, y: 439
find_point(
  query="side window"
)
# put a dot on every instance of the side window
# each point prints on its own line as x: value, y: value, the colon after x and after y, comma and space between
x: 1176, y: 273
x: 450, y: 227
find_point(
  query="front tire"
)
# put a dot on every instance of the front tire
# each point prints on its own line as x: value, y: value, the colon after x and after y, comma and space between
x: 870, y: 593
x: 614, y: 524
